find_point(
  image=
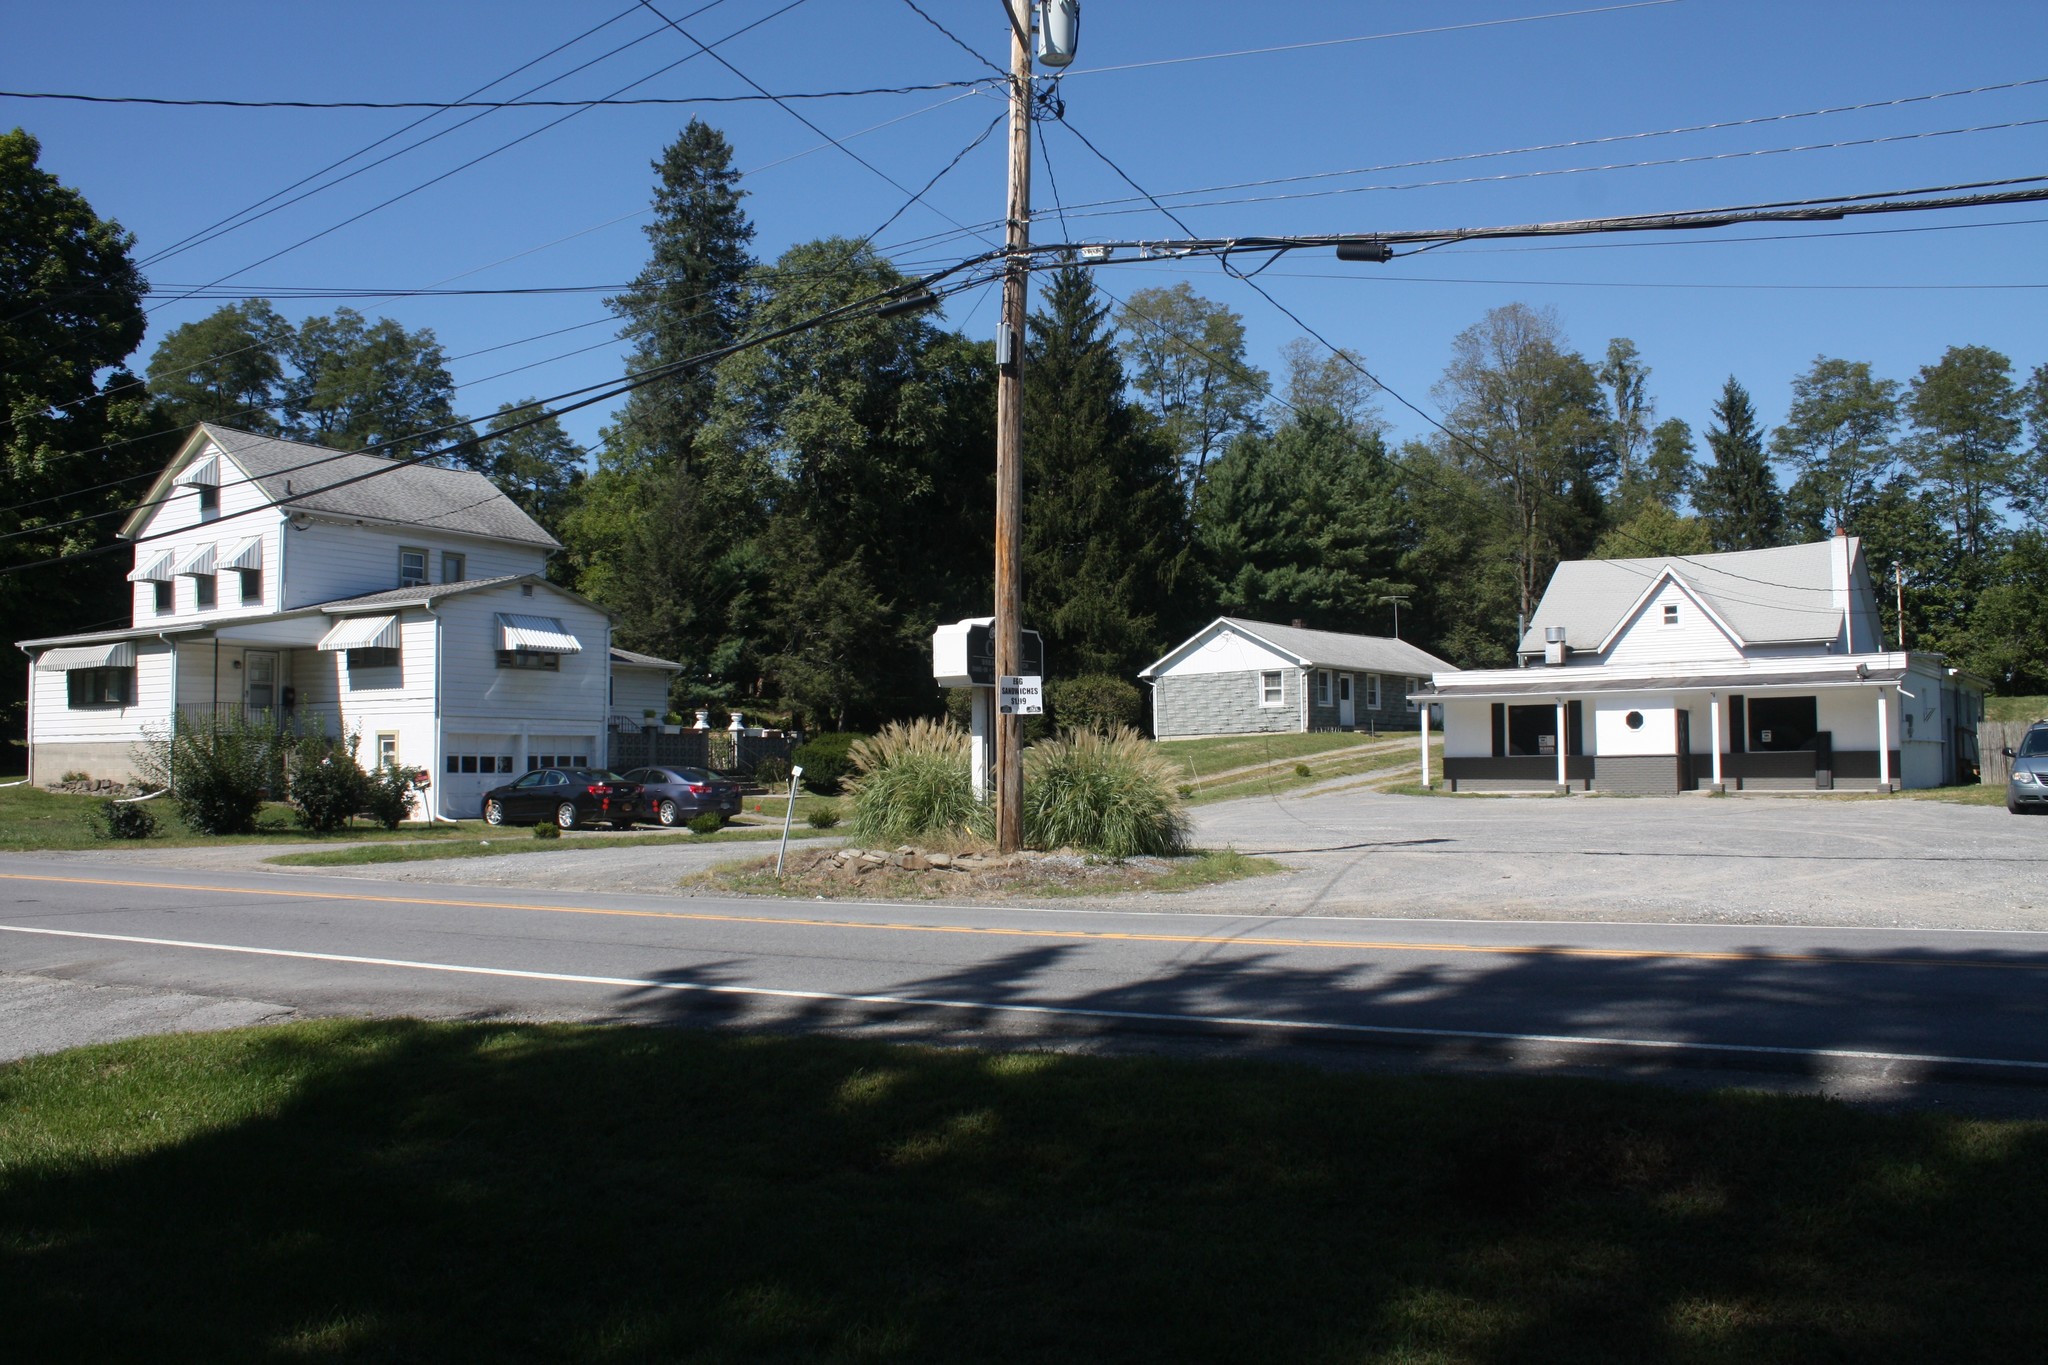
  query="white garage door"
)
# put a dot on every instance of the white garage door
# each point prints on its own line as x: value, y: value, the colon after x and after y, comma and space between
x: 472, y: 765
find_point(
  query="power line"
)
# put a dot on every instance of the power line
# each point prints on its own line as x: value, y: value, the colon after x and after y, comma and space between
x: 506, y: 146
x: 445, y: 105
x: 1367, y: 38
x: 958, y: 41
x: 917, y: 195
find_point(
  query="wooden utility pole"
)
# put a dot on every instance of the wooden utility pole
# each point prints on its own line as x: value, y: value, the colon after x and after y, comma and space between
x: 1009, y: 783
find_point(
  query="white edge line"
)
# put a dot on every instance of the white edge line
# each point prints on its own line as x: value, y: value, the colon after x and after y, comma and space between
x: 1057, y: 1011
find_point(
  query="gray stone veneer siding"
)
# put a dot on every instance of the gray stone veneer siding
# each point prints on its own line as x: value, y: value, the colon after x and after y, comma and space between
x: 1223, y: 704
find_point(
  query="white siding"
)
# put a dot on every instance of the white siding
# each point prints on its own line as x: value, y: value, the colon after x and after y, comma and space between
x: 1695, y: 639
x: 1226, y: 651
x: 636, y: 690
x: 57, y: 722
x: 1468, y: 729
x: 331, y: 561
x: 244, y: 512
x: 1611, y: 735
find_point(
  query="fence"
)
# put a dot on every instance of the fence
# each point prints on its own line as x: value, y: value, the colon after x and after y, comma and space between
x: 1994, y: 736
x: 719, y: 750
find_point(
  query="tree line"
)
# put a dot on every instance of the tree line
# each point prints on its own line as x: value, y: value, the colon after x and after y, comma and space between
x: 792, y: 521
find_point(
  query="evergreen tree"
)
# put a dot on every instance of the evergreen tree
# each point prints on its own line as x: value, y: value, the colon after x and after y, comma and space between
x: 1104, y: 524
x: 1670, y: 476
x: 537, y: 466
x: 1737, y: 495
x: 689, y: 299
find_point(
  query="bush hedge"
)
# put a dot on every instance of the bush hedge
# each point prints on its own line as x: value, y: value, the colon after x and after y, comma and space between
x: 824, y: 759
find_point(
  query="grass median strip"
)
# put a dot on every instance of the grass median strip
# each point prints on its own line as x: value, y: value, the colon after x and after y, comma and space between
x: 427, y: 1192
x: 515, y: 842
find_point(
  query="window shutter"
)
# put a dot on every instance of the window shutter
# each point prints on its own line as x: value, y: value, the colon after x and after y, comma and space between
x: 1500, y: 730
x: 1575, y: 728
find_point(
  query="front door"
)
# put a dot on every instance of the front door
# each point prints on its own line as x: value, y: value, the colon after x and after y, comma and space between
x: 1685, y: 774
x: 1347, y: 715
x: 259, y: 680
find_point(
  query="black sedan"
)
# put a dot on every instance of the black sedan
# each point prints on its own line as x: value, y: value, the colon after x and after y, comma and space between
x: 567, y: 796
x: 675, y: 796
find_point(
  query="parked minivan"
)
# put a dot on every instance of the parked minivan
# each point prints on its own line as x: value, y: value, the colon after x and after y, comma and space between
x: 2027, y: 789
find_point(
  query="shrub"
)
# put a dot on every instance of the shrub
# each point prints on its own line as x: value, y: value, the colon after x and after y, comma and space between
x: 120, y: 820
x: 772, y: 772
x: 824, y: 761
x: 710, y: 822
x: 388, y: 795
x: 547, y: 829
x: 824, y: 815
x: 911, y: 781
x: 1110, y: 794
x: 327, y: 792
x: 223, y: 766
x: 1094, y: 701
x: 1302, y: 770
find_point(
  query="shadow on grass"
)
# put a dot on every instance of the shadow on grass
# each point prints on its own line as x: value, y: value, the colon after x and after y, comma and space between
x: 404, y: 1191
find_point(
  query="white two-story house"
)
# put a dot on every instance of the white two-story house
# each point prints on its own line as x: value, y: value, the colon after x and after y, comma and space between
x: 1755, y: 670
x: 402, y: 603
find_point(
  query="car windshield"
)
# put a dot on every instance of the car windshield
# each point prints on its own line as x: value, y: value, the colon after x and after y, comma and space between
x: 2035, y: 745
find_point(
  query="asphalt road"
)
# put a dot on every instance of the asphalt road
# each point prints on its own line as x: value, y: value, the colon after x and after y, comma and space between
x: 1868, y: 1012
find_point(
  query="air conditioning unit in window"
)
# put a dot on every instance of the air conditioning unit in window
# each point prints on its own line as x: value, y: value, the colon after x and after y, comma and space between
x: 1555, y: 650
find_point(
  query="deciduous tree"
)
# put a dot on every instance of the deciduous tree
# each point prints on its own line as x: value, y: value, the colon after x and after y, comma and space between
x: 1838, y: 434
x: 1187, y: 361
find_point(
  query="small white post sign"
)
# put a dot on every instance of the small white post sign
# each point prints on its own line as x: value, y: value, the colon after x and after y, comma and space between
x: 1021, y: 696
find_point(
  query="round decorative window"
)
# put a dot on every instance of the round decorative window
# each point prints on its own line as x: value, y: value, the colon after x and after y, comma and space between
x: 1634, y: 720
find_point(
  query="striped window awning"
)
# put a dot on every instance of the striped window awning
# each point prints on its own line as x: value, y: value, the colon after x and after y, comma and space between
x: 206, y: 471
x: 247, y: 555
x: 200, y: 560
x: 535, y: 635
x: 155, y: 569
x: 361, y: 632
x: 119, y: 654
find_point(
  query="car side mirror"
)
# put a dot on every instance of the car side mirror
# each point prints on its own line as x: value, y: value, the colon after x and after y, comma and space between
x: 2007, y: 752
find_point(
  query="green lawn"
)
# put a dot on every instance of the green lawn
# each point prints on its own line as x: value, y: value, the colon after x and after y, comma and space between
x: 1286, y: 777
x: 1203, y: 758
x: 32, y: 819
x: 345, y: 1191
x: 2016, y: 709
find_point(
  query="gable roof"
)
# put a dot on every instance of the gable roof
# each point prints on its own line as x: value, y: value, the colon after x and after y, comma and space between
x: 633, y: 660
x: 383, y: 489
x: 1785, y: 595
x: 1319, y: 649
x: 420, y: 593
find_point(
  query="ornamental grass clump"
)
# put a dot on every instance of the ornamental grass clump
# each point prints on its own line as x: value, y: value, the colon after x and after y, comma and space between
x: 1108, y: 793
x: 912, y: 781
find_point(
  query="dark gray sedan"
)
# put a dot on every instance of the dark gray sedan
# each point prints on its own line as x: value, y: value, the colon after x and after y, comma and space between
x: 676, y: 796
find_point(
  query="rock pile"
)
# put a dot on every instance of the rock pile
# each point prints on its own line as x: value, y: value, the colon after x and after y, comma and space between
x: 859, y: 862
x: 93, y: 786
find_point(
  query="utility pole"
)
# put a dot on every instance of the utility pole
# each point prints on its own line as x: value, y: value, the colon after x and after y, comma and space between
x: 1009, y: 783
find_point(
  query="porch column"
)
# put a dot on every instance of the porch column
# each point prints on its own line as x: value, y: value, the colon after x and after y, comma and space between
x: 1425, y: 746
x: 1884, y: 742
x: 1714, y: 720
x: 1563, y: 781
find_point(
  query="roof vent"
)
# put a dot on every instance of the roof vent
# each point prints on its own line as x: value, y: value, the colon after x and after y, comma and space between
x: 1555, y: 650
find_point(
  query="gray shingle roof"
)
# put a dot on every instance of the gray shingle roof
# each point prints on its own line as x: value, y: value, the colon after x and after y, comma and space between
x: 1331, y: 649
x: 1778, y: 596
x: 422, y: 592
x: 458, y: 500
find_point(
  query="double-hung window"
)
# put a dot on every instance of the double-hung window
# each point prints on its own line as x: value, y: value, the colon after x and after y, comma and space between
x: 452, y: 567
x: 412, y: 567
x: 1322, y: 687
x: 1372, y: 691
x: 1272, y: 689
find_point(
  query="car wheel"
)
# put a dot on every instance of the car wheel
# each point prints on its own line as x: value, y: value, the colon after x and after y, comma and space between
x: 565, y: 815
x: 494, y: 813
x: 667, y: 813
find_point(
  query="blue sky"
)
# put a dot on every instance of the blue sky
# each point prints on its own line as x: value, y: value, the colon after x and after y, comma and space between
x: 563, y: 208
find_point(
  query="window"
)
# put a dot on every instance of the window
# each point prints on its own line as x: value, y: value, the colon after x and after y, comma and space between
x: 1414, y: 685
x: 202, y: 591
x: 1778, y: 724
x: 533, y: 658
x: 359, y: 659
x: 1322, y: 687
x: 166, y: 595
x: 1272, y: 692
x: 209, y: 501
x: 387, y: 749
x: 452, y: 568
x: 86, y: 687
x: 1671, y: 613
x: 1372, y: 691
x: 412, y: 568
x: 252, y: 586
x: 1531, y: 731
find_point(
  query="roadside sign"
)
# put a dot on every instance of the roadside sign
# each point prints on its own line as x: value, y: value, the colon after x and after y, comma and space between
x: 1023, y: 695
